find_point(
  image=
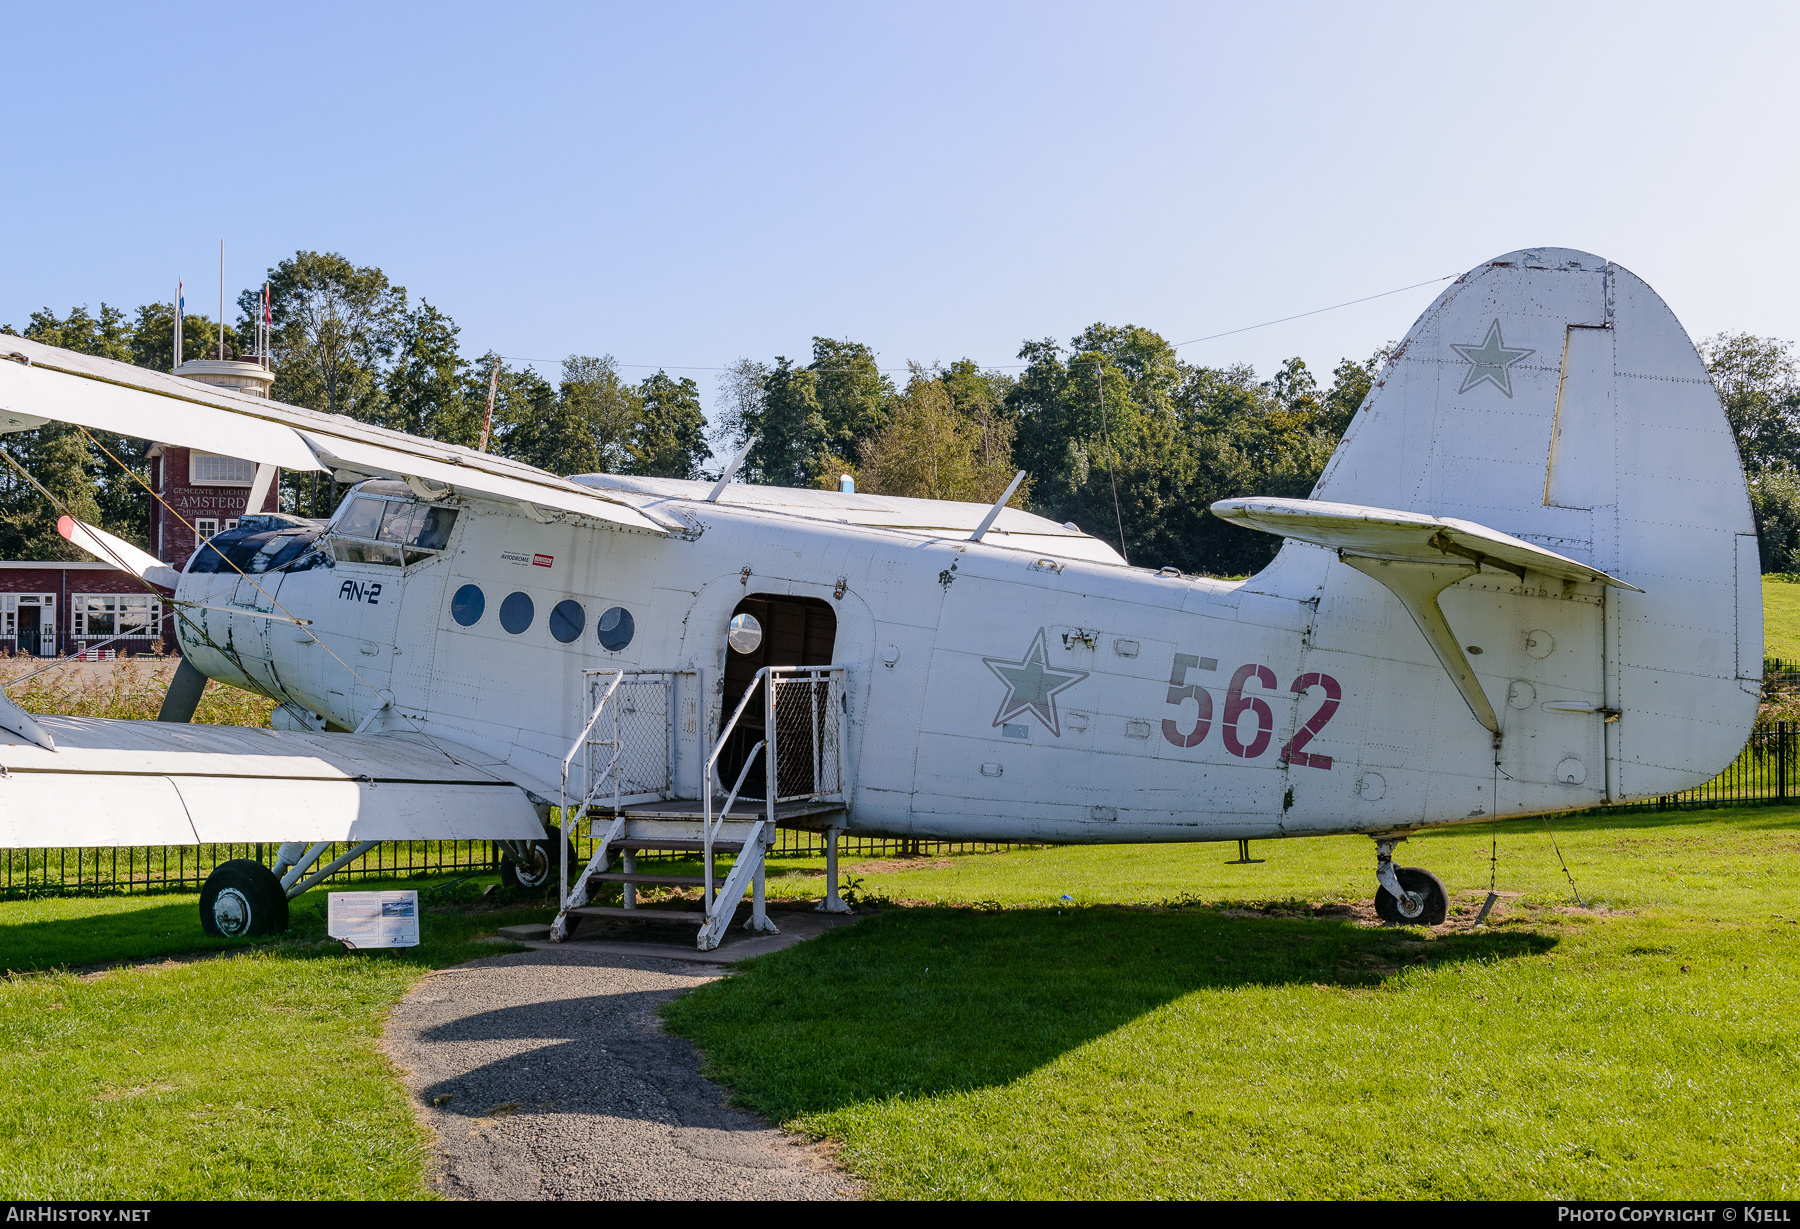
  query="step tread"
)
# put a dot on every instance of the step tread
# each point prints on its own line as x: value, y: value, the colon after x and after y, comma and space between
x: 682, y: 844
x: 691, y: 917
x: 636, y: 877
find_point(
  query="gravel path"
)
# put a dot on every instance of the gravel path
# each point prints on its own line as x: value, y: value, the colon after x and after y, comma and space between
x: 546, y: 1075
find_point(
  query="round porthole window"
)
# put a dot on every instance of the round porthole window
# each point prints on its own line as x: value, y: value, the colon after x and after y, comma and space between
x: 467, y: 606
x: 567, y: 620
x: 616, y: 629
x: 745, y: 634
x: 516, y: 612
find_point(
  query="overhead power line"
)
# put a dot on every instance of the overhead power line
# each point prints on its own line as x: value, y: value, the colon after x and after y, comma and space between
x: 1317, y: 311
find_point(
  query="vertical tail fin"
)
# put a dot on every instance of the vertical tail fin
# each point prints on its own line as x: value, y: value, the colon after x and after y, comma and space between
x: 1553, y: 396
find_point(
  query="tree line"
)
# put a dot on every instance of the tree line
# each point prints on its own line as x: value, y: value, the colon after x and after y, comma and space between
x: 1116, y: 433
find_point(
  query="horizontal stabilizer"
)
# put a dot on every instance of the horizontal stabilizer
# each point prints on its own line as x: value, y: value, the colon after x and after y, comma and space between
x: 1407, y: 537
x: 117, y: 551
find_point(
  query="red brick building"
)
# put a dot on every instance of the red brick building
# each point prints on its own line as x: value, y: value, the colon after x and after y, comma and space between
x: 49, y: 608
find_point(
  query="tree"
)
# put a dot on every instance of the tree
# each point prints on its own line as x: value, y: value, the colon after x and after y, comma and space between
x: 153, y: 338
x: 1351, y: 383
x: 670, y: 440
x: 852, y: 395
x: 931, y: 448
x: 1757, y: 381
x: 526, y: 413
x: 334, y: 326
x: 1775, y: 502
x: 740, y: 404
x: 601, y: 412
x: 425, y: 388
x: 77, y: 472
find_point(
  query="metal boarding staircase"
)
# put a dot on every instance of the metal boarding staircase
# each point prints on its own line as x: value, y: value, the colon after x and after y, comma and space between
x: 625, y: 771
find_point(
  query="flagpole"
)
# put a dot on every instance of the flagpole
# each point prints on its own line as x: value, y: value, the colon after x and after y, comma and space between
x: 180, y: 302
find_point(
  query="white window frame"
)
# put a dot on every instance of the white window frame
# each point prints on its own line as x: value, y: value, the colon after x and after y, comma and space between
x: 198, y: 460
x: 205, y: 527
x: 9, y: 617
x: 116, y: 604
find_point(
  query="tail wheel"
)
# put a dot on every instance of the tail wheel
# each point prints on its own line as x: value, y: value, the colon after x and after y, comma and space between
x: 1416, y: 881
x: 241, y: 898
x: 534, y: 865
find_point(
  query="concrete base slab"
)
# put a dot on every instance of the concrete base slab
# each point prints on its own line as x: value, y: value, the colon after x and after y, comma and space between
x: 529, y: 932
x: 797, y: 926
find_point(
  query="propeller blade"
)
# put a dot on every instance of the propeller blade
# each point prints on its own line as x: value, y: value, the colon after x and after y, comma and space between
x: 183, y: 696
x: 117, y: 551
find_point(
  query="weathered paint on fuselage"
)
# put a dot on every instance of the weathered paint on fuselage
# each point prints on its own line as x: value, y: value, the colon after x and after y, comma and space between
x: 1027, y: 697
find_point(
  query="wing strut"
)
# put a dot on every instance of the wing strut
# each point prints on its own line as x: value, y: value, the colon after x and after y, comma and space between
x: 1417, y: 585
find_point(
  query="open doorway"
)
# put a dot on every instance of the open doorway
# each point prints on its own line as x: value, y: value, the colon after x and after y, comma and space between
x: 788, y: 631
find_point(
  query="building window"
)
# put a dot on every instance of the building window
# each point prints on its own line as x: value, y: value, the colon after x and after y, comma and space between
x: 206, y: 526
x: 211, y: 469
x: 116, y: 614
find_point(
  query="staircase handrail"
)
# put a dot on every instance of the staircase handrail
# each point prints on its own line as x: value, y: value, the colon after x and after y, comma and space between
x: 711, y: 828
x: 562, y: 793
x: 706, y: 780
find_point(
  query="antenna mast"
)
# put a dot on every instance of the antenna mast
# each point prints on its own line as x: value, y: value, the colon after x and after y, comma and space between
x: 488, y: 422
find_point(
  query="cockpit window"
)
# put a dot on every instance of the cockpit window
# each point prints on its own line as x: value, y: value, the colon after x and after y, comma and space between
x: 394, y: 522
x: 381, y: 523
x: 360, y: 518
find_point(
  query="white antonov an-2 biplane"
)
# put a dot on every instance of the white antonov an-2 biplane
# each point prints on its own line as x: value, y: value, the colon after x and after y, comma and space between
x: 1527, y: 582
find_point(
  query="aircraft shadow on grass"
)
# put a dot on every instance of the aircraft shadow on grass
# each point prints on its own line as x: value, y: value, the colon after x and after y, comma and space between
x: 920, y: 1001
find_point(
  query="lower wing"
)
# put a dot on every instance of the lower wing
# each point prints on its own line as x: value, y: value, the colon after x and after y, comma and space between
x: 111, y: 782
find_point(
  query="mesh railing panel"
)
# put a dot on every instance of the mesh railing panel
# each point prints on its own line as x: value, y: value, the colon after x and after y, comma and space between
x: 809, y: 713
x: 638, y: 717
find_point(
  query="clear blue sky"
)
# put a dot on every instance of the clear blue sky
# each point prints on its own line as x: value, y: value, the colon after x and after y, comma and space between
x: 684, y: 184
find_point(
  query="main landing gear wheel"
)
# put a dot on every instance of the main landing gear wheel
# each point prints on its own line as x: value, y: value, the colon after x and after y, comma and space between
x: 537, y: 869
x: 1406, y: 895
x: 243, y: 897
x: 1425, y: 893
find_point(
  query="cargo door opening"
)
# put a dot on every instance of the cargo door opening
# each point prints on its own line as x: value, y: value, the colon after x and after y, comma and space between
x: 772, y: 631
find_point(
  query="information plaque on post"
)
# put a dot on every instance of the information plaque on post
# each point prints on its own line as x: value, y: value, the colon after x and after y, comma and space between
x: 373, y: 919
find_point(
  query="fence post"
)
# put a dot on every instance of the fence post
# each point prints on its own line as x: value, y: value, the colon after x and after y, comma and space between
x: 1781, y: 762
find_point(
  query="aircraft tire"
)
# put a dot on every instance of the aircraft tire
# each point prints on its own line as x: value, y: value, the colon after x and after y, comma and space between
x: 1414, y: 879
x: 541, y: 872
x: 242, y: 898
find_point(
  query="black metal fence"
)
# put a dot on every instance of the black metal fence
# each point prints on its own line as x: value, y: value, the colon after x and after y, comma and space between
x: 184, y: 868
x: 177, y: 868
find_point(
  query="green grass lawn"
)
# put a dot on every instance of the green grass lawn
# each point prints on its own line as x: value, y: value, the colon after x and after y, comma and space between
x: 246, y: 1075
x: 1781, y: 619
x: 1141, y: 1040
x: 1176, y: 1027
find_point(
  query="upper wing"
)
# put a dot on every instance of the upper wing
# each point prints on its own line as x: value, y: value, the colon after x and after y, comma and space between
x: 110, y: 782
x: 44, y: 383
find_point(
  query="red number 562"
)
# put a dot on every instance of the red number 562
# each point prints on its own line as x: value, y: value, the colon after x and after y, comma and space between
x: 1238, y: 705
